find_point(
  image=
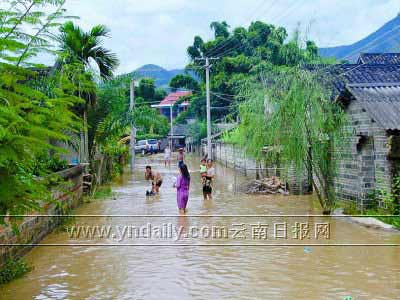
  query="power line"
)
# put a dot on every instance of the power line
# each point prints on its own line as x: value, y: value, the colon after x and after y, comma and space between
x: 227, y: 42
x: 208, y: 101
x: 373, y: 42
x: 239, y: 46
x: 222, y: 98
x: 272, y: 4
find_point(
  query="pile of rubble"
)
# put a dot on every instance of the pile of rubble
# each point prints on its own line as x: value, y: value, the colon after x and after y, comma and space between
x: 272, y: 185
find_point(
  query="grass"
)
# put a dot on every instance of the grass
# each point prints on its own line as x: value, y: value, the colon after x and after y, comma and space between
x: 103, y: 192
x: 13, y: 269
x: 351, y: 209
x: 391, y: 220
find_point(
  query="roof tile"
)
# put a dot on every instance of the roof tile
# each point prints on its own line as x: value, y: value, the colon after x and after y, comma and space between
x: 381, y: 101
x: 173, y: 97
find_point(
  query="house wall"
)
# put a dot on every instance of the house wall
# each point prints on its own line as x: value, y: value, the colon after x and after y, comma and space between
x: 364, y: 165
x: 166, y: 111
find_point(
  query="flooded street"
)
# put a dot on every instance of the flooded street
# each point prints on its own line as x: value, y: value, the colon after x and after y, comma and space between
x: 204, y: 268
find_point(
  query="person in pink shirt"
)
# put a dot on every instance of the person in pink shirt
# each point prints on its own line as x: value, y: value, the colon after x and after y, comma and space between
x: 182, y: 186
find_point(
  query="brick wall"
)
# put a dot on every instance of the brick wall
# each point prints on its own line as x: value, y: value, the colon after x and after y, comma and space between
x: 364, y: 165
x: 33, y: 229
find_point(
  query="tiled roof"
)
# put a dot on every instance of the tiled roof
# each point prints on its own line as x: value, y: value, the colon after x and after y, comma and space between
x: 379, y: 58
x: 381, y: 101
x: 173, y: 97
x: 341, y: 74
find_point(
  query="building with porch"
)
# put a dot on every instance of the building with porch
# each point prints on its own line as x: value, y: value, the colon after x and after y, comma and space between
x: 169, y: 101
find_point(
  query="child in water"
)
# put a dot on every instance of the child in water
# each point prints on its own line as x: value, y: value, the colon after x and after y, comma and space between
x: 203, y: 170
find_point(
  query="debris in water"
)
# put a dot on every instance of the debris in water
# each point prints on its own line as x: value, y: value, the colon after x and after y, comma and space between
x: 272, y: 185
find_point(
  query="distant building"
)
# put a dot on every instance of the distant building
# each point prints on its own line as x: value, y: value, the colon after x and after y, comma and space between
x: 166, y: 104
x: 178, y: 136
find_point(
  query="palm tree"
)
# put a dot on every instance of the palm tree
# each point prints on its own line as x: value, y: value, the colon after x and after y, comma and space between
x: 86, y: 48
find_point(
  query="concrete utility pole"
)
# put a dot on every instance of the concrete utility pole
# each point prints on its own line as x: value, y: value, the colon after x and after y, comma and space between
x: 171, y: 117
x: 133, y: 129
x: 207, y: 67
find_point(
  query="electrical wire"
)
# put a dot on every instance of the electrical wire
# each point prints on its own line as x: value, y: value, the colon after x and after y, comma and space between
x: 240, y: 46
x: 272, y: 4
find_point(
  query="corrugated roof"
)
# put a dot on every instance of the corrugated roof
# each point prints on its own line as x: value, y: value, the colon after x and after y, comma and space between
x: 381, y: 101
x: 173, y: 97
x: 379, y: 58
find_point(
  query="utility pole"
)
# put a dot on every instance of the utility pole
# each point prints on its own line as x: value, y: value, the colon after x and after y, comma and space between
x: 133, y: 129
x: 171, y: 117
x: 208, y: 101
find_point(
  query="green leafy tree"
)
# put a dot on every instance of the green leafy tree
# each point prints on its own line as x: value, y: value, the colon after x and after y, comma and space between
x: 184, y: 81
x: 292, y: 113
x: 147, y: 89
x: 241, y: 51
x: 19, y: 45
x: 111, y: 119
x: 29, y: 100
x: 86, y: 48
x: 221, y: 29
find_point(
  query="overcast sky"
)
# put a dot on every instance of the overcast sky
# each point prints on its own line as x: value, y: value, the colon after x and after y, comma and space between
x: 159, y: 31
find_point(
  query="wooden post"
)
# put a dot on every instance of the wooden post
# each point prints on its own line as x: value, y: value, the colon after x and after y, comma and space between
x: 245, y: 163
x: 234, y: 168
x: 226, y: 156
x: 257, y: 170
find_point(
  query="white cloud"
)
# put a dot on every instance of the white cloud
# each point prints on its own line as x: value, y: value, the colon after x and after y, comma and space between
x: 159, y: 31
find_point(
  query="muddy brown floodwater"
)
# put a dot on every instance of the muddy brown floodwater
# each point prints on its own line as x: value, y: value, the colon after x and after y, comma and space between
x: 247, y: 266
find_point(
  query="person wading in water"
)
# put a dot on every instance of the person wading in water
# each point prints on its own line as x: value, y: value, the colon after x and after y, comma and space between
x: 167, y: 157
x: 156, y: 181
x: 182, y: 186
x: 209, y: 180
x: 181, y: 156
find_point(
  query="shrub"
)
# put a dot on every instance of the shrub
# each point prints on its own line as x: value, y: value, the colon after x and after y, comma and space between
x: 13, y: 269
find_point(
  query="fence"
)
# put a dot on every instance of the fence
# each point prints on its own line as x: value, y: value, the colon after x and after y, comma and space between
x: 236, y: 158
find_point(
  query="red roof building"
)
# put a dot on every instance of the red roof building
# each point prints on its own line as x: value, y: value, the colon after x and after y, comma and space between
x: 166, y: 104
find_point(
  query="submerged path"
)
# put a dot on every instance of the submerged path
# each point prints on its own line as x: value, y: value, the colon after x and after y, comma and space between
x: 207, y: 269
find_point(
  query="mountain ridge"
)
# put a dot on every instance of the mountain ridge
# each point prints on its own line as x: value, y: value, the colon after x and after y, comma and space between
x: 385, y: 39
x: 161, y: 75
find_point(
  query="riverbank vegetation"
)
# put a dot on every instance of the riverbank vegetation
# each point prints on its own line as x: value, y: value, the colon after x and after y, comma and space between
x: 291, y: 114
x: 30, y: 97
x: 13, y: 269
x: 74, y: 105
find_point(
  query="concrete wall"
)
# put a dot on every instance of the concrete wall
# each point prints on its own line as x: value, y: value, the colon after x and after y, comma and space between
x: 364, y: 164
x: 232, y: 157
x: 235, y: 157
x: 33, y: 229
